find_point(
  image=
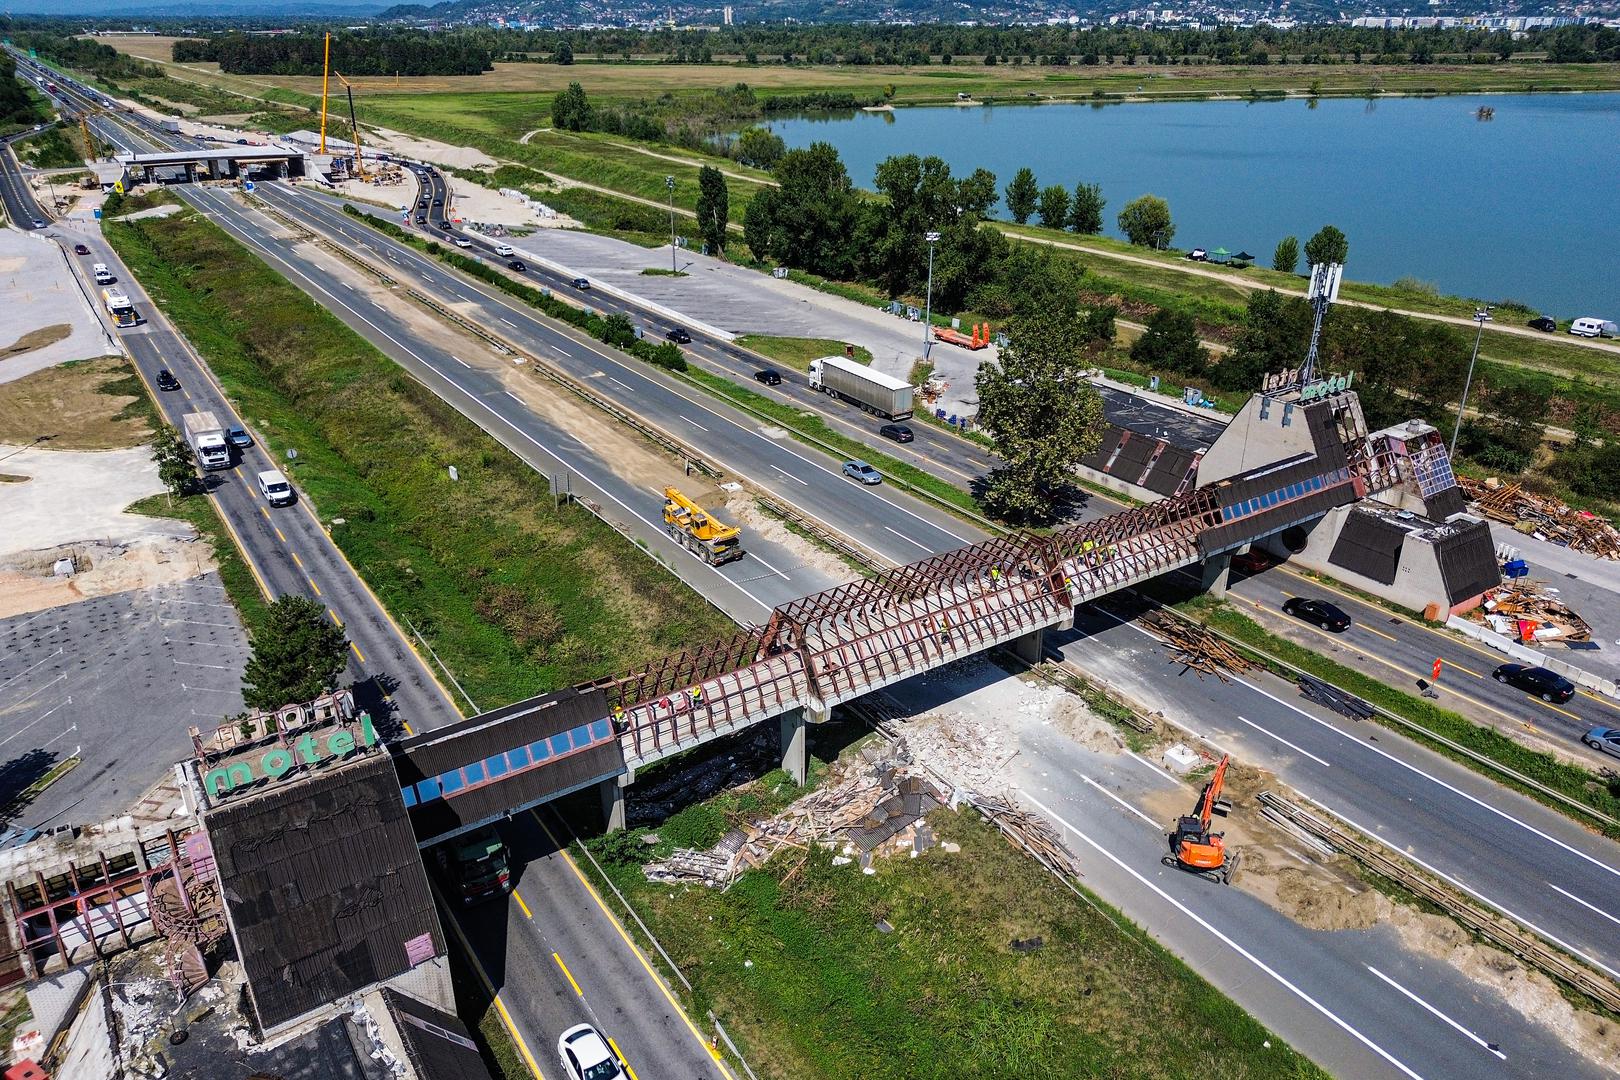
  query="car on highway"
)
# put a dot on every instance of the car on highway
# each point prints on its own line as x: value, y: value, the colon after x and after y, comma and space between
x: 1253, y: 561
x: 679, y: 336
x: 586, y: 1055
x: 463, y: 242
x: 438, y: 202
x: 422, y: 205
x: 38, y: 224
x: 580, y: 283
x: 768, y: 376
x: 860, y: 470
x: 897, y: 432
x: 446, y: 226
x: 421, y: 219
x: 1547, y: 685
x: 80, y: 249
x: 519, y: 265
x: 1320, y: 612
x: 1545, y: 323
x: 275, y: 488
x: 1606, y: 739
x: 166, y: 380
x: 504, y: 250
x: 237, y: 436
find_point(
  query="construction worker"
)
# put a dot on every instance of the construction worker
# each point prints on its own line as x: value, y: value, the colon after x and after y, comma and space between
x: 696, y: 694
x: 945, y: 628
x: 995, y: 575
x: 619, y: 724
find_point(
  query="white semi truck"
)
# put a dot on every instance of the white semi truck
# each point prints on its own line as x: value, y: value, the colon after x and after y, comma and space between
x: 207, y: 438
x: 861, y: 385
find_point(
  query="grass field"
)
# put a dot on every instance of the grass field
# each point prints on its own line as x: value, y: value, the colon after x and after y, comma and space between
x: 81, y: 405
x: 797, y: 352
x: 529, y: 601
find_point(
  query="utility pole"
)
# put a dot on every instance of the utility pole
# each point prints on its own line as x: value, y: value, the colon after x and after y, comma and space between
x: 1481, y: 316
x: 928, y: 300
x: 669, y: 182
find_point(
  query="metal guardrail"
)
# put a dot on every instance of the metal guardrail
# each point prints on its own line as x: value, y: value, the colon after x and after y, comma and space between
x: 1488, y: 923
x: 868, y: 560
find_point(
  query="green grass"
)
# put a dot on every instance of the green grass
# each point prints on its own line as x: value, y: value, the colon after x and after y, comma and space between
x: 797, y: 352
x: 200, y: 512
x: 1579, y: 784
x: 53, y: 148
x: 528, y: 601
x: 656, y: 271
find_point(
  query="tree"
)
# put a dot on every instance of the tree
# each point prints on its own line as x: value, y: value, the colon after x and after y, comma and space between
x: 1042, y: 413
x: 1086, y: 212
x: 760, y: 148
x: 1097, y: 325
x: 564, y: 54
x: 570, y: 111
x: 1327, y: 246
x: 713, y: 208
x: 177, y: 467
x: 1273, y: 337
x: 1021, y: 195
x: 1286, y: 257
x: 1171, y: 344
x: 924, y: 197
x: 1054, y: 206
x: 806, y: 221
x: 1145, y: 221
x: 297, y: 655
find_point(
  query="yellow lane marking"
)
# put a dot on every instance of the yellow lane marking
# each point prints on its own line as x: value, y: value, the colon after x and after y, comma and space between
x: 279, y: 533
x: 237, y: 469
x: 265, y: 512
x: 312, y: 584
x: 569, y: 975
x: 527, y: 914
x: 620, y: 1055
x: 334, y: 615
x: 297, y: 560
x: 500, y: 1007
x: 357, y: 652
x: 636, y: 952
x: 1380, y: 633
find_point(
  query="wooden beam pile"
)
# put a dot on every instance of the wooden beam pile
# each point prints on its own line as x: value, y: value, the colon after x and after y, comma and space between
x: 1543, y: 517
x: 1525, y: 600
x: 1195, y: 647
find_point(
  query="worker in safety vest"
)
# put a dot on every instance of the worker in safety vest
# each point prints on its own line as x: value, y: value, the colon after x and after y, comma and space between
x: 696, y: 694
x: 619, y: 723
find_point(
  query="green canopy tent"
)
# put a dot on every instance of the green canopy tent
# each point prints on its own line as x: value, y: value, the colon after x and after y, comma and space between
x: 1220, y: 254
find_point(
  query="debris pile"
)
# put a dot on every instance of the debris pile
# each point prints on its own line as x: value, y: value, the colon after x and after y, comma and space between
x: 1029, y: 831
x: 1543, y: 517
x: 1195, y: 646
x: 1530, y: 611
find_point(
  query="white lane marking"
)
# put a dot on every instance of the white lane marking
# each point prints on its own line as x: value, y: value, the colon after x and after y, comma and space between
x: 790, y: 476
x: 1585, y: 904
x: 1437, y: 1012
x: 513, y: 396
x: 48, y: 657
x: 188, y: 663
x: 460, y: 361
x: 429, y: 277
x: 1240, y: 950
x: 768, y: 566
x: 1155, y: 769
x: 619, y: 384
x: 693, y: 422
x: 1285, y: 742
x: 508, y: 322
x: 37, y: 690
x: 346, y: 285
x: 906, y: 538
x: 36, y: 720
x: 1121, y: 802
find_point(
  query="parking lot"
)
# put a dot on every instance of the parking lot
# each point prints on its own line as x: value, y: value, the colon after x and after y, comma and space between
x: 120, y: 679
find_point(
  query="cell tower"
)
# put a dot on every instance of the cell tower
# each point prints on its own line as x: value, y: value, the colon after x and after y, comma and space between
x: 1324, y: 291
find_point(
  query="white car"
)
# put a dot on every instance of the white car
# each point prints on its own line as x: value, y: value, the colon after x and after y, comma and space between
x: 585, y: 1055
x: 463, y: 242
x: 275, y: 488
x: 504, y: 250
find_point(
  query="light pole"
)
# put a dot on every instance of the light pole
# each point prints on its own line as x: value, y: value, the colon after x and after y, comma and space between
x: 1481, y: 316
x: 669, y: 182
x: 928, y: 300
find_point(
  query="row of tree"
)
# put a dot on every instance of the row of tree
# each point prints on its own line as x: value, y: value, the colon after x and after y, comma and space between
x: 371, y: 52
x: 16, y: 107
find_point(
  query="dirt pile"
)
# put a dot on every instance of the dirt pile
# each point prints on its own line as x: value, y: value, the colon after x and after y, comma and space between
x: 28, y: 581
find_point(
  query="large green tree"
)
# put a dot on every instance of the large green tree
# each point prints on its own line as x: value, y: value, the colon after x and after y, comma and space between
x: 713, y: 208
x: 1054, y: 206
x: 924, y: 197
x: 1286, y: 257
x: 760, y: 148
x: 1145, y: 221
x: 1171, y: 344
x: 808, y: 219
x: 1022, y: 192
x: 297, y: 655
x: 570, y: 110
x: 177, y: 465
x: 1086, y: 212
x: 1042, y: 413
x: 1329, y: 245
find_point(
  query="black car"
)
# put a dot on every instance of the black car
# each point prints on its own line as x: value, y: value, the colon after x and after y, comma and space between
x: 1545, y: 323
x: 769, y: 376
x: 421, y: 219
x: 519, y: 265
x: 1320, y: 612
x: 446, y: 226
x: 1546, y: 685
x: 679, y: 336
x: 438, y: 202
x: 580, y: 283
x: 897, y: 432
x: 422, y: 205
x: 80, y: 249
x: 166, y: 380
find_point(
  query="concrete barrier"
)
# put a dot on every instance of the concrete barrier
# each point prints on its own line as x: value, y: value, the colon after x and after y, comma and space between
x: 1580, y: 677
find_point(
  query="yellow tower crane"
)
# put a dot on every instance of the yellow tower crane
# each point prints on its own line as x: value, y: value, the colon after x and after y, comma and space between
x: 328, y: 70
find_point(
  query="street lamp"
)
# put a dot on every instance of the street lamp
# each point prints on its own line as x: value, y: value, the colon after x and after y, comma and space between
x: 669, y: 182
x: 1481, y: 316
x: 928, y: 302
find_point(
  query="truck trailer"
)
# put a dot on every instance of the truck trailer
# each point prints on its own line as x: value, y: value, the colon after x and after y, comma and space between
x: 861, y: 385
x: 207, y: 438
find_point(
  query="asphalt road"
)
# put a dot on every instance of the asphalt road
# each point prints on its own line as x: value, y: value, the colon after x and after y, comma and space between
x: 18, y: 197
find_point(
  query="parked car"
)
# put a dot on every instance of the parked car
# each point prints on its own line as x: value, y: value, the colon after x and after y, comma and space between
x: 586, y: 1055
x: 1253, y: 561
x: 679, y: 336
x: 897, y: 432
x: 860, y: 470
x: 519, y: 265
x: 580, y: 283
x: 1198, y: 255
x: 1320, y: 612
x: 166, y: 380
x: 768, y: 376
x: 1544, y: 684
x: 1545, y: 323
x: 1606, y: 739
x: 237, y: 436
x: 80, y: 249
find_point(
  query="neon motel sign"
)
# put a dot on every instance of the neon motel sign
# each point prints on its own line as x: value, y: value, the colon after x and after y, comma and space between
x: 308, y: 749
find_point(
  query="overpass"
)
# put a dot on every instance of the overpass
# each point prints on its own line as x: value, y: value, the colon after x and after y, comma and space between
x: 218, y: 164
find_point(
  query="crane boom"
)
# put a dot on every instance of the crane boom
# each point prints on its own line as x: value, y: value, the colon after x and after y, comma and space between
x: 326, y: 67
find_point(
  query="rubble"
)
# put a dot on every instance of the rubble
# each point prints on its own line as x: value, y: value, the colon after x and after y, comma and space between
x: 1543, y: 517
x: 1194, y: 646
x: 1530, y: 611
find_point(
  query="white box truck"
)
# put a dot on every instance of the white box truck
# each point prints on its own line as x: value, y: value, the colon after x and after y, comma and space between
x: 207, y: 438
x: 860, y: 385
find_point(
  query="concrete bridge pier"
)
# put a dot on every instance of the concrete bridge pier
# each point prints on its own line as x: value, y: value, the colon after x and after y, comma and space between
x: 795, y: 749
x: 612, y: 792
x: 1030, y: 648
x: 1217, y: 573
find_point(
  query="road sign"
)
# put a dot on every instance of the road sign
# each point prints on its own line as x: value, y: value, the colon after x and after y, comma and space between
x: 247, y: 185
x: 1436, y: 677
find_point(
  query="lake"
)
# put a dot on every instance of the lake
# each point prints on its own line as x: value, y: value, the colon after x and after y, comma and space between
x: 1524, y: 206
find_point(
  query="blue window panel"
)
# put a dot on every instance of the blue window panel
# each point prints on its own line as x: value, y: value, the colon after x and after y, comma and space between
x: 539, y: 750
x: 474, y: 772
x: 517, y: 759
x: 1293, y: 491
x: 409, y: 794
x: 496, y: 766
x: 1226, y: 513
x: 451, y: 782
x: 1271, y: 498
x: 427, y: 790
x: 601, y: 729
x: 560, y: 743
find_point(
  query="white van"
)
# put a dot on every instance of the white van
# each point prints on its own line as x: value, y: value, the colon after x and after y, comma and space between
x: 103, y: 275
x: 504, y: 250
x: 274, y: 487
x: 1590, y: 327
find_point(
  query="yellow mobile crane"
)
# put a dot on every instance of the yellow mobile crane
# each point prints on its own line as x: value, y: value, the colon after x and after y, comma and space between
x: 709, y: 539
x: 327, y: 70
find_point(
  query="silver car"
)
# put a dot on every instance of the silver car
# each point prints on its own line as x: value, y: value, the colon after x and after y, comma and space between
x: 860, y: 470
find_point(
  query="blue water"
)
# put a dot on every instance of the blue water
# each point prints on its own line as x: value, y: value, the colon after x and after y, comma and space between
x: 1525, y: 206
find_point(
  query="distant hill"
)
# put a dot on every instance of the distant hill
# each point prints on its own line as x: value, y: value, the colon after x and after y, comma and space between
x: 200, y: 9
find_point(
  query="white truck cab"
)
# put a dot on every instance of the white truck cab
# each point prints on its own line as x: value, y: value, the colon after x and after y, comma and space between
x: 275, y: 488
x: 103, y: 275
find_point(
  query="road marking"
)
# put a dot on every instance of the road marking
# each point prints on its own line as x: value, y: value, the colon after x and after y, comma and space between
x: 265, y: 512
x: 346, y: 285
x: 494, y: 995
x: 188, y: 663
x: 527, y: 914
x: 1121, y: 802
x: 462, y: 362
x: 1240, y: 950
x: 1585, y: 904
x: 237, y: 469
x: 297, y: 560
x: 569, y: 975
x: 1488, y: 1046
x: 1389, y: 637
x: 693, y: 422
x: 1285, y: 742
x: 357, y: 652
x: 616, y: 382
x: 312, y: 584
x: 1149, y: 764
x: 906, y: 538
x: 513, y: 396
x: 620, y: 1055
x: 60, y: 650
x: 790, y: 476
x: 768, y: 566
x: 508, y: 322
x: 334, y: 615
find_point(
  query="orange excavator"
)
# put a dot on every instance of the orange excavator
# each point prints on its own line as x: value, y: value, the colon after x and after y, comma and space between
x: 1193, y: 847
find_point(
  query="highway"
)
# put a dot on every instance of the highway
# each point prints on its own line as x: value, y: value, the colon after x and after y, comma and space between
x: 21, y: 207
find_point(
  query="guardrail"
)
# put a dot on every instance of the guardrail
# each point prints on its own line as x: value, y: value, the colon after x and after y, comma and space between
x: 867, y: 560
x: 1474, y: 916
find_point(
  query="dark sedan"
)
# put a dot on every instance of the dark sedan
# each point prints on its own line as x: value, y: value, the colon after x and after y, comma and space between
x: 519, y: 265
x: 1544, y: 684
x: 80, y: 249
x: 897, y: 432
x: 166, y: 380
x: 1320, y: 612
x: 769, y: 376
x: 679, y: 336
x: 1545, y: 323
